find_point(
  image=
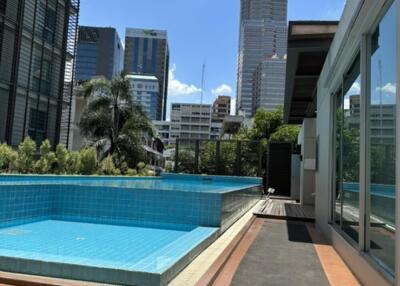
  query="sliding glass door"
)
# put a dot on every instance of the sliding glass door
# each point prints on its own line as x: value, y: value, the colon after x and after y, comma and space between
x: 372, y: 106
x: 382, y: 139
x: 348, y: 152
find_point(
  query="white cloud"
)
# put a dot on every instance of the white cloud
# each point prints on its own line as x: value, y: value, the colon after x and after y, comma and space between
x: 355, y: 89
x: 223, y: 89
x: 388, y: 88
x: 176, y: 87
x: 233, y: 106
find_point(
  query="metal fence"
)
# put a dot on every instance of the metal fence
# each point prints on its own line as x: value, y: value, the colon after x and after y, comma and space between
x: 220, y: 157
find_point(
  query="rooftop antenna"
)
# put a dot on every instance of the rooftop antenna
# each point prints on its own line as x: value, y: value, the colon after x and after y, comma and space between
x: 202, y: 82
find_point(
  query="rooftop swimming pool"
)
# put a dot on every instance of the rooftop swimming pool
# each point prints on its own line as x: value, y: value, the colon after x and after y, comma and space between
x: 131, y: 231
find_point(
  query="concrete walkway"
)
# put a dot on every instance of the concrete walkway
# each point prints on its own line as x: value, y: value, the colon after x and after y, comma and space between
x: 280, y: 252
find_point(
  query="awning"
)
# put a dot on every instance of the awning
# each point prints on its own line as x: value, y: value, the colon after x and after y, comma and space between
x: 308, y: 46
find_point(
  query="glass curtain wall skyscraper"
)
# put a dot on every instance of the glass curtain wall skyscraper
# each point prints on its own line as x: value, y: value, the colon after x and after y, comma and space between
x: 263, y: 38
x: 147, y: 53
x: 99, y: 53
x: 37, y: 48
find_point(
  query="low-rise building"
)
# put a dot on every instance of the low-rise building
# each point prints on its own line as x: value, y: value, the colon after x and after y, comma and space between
x: 189, y: 122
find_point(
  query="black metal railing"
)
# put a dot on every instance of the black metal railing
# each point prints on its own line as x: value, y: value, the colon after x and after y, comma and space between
x: 220, y: 157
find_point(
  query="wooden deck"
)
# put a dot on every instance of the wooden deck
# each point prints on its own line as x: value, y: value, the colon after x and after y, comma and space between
x: 285, y: 209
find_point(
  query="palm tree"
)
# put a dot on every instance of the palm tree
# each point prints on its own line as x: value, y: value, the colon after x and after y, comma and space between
x: 112, y: 122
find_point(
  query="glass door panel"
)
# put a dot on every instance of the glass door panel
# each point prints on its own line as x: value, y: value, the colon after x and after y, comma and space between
x: 382, y: 140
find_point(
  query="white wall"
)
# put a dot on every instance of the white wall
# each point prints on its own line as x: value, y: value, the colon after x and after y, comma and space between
x: 307, y: 138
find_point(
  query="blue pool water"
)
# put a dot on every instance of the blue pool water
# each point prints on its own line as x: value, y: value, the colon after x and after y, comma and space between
x: 131, y: 231
x: 111, y: 246
x: 187, y: 184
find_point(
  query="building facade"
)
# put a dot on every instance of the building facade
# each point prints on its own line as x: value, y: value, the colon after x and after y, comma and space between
x: 221, y: 109
x: 163, y: 129
x: 145, y: 92
x: 353, y: 149
x: 269, y: 84
x: 189, y: 122
x: 99, y: 53
x: 263, y: 35
x: 147, y: 53
x: 37, y: 50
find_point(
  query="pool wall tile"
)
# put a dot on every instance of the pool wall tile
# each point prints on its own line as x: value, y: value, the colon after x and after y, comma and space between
x: 118, y: 205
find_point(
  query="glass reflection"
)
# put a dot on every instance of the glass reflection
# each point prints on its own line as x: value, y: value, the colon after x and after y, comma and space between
x: 347, y: 152
x: 382, y: 137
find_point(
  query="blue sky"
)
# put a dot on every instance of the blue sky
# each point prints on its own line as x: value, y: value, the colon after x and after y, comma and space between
x: 198, y: 31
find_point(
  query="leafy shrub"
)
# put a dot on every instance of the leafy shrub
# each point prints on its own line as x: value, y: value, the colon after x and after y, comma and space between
x: 62, y: 156
x: 88, y: 161
x: 131, y: 172
x: 7, y: 156
x: 73, y: 163
x: 47, y: 158
x: 141, y: 165
x: 25, y: 159
x: 169, y: 167
x: 107, y: 167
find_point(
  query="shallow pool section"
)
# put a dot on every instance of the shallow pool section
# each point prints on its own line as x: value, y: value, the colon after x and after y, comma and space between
x: 131, y: 255
x: 130, y: 231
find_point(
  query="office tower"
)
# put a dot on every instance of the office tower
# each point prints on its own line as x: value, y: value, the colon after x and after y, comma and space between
x: 269, y: 84
x: 145, y: 91
x: 147, y: 53
x: 99, y: 53
x: 263, y: 36
x: 37, y: 49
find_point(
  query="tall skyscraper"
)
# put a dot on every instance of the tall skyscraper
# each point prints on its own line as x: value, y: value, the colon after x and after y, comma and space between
x: 269, y: 84
x: 99, y: 52
x: 147, y: 53
x: 263, y: 38
x: 37, y: 50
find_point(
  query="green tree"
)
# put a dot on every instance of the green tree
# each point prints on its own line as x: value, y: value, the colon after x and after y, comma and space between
x: 25, y: 159
x: 112, y: 123
x: 266, y: 123
x: 286, y: 133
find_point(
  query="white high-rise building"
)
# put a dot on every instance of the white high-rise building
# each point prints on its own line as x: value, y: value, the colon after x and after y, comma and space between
x: 263, y: 37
